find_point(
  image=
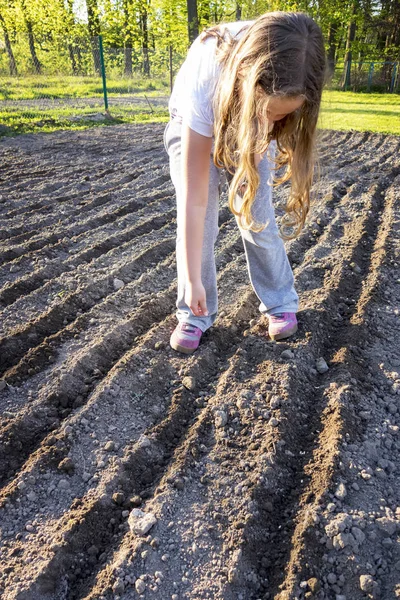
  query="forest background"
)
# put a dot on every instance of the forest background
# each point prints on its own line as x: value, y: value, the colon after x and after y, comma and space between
x: 38, y: 35
x: 56, y: 49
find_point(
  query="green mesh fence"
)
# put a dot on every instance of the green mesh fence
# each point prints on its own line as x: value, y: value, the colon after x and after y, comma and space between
x: 67, y: 85
x: 367, y: 76
x: 49, y: 83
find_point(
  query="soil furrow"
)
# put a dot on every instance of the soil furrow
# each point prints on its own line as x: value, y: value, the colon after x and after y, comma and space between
x: 53, y: 269
x: 16, y: 344
x: 83, y: 241
x: 247, y: 455
x: 69, y: 225
x: 133, y: 477
x: 36, y: 421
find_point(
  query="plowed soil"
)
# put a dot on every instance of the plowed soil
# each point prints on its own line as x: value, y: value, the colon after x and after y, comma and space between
x: 271, y: 474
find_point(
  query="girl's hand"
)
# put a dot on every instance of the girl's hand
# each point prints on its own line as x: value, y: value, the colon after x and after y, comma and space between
x: 195, y: 298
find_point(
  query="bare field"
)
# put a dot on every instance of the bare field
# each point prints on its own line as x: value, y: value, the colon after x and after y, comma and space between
x: 266, y: 478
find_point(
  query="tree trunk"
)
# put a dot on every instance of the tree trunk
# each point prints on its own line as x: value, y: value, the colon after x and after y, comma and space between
x: 69, y: 28
x: 333, y: 27
x: 351, y: 34
x: 127, y: 42
x: 145, y: 40
x: 204, y: 17
x: 10, y: 53
x: 72, y: 59
x: 31, y: 39
x: 35, y: 60
x: 238, y: 11
x: 193, y: 20
x: 94, y: 32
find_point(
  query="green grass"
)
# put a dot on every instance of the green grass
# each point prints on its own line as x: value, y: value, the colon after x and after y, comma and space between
x: 12, y: 123
x: 36, y: 88
x: 340, y: 110
x: 360, y: 112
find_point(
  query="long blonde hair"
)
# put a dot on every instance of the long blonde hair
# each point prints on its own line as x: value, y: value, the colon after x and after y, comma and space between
x: 281, y: 54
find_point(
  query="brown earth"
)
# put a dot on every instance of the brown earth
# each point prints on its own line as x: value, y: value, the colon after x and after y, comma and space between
x: 267, y: 478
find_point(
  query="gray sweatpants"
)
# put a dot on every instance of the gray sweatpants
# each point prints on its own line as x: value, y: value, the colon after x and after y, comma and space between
x: 269, y: 269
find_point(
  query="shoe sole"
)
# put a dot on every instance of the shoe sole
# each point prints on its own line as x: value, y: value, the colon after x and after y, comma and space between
x: 183, y: 349
x: 284, y: 334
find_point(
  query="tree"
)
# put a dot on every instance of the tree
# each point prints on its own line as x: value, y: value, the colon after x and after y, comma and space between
x: 31, y: 38
x: 193, y: 20
x: 9, y: 50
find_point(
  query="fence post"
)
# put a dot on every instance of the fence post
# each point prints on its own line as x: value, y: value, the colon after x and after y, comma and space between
x: 103, y: 73
x: 370, y: 74
x: 393, y: 78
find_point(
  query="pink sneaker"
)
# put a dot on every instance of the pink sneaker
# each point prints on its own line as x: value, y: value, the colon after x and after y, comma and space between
x: 185, y: 338
x: 282, y: 325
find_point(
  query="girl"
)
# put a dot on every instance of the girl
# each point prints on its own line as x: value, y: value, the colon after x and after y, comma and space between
x: 246, y: 91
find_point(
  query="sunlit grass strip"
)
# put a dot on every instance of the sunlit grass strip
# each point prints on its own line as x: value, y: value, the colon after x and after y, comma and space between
x: 346, y: 111
x: 37, y: 87
x: 34, y: 121
x: 340, y: 110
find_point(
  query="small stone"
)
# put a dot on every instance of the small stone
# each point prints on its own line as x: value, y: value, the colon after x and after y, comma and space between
x: 332, y: 578
x: 32, y: 496
x: 118, y: 498
x: 3, y: 385
x: 66, y: 465
x: 220, y: 418
x: 273, y: 422
x: 275, y: 402
x: 140, y: 586
x: 342, y: 540
x: 359, y: 535
x: 158, y: 345
x: 386, y: 525
x: 341, y: 491
x: 29, y: 527
x: 340, y: 597
x: 365, y: 414
x: 135, y: 501
x: 338, y: 524
x: 21, y: 485
x: 287, y: 354
x: 86, y: 477
x: 63, y: 484
x: 178, y: 483
x: 109, y: 446
x: 313, y: 584
x: 321, y: 366
x: 119, y: 586
x: 189, y: 383
x: 141, y: 522
x: 143, y: 441
x: 367, y: 583
x: 165, y: 557
x: 118, y: 284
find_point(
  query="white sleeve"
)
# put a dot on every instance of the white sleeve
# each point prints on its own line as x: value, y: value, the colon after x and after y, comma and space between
x: 201, y: 79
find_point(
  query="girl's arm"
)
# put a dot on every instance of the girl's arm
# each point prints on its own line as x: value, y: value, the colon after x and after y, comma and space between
x: 196, y: 150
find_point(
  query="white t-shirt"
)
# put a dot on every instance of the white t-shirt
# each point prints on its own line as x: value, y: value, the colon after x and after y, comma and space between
x: 193, y: 91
